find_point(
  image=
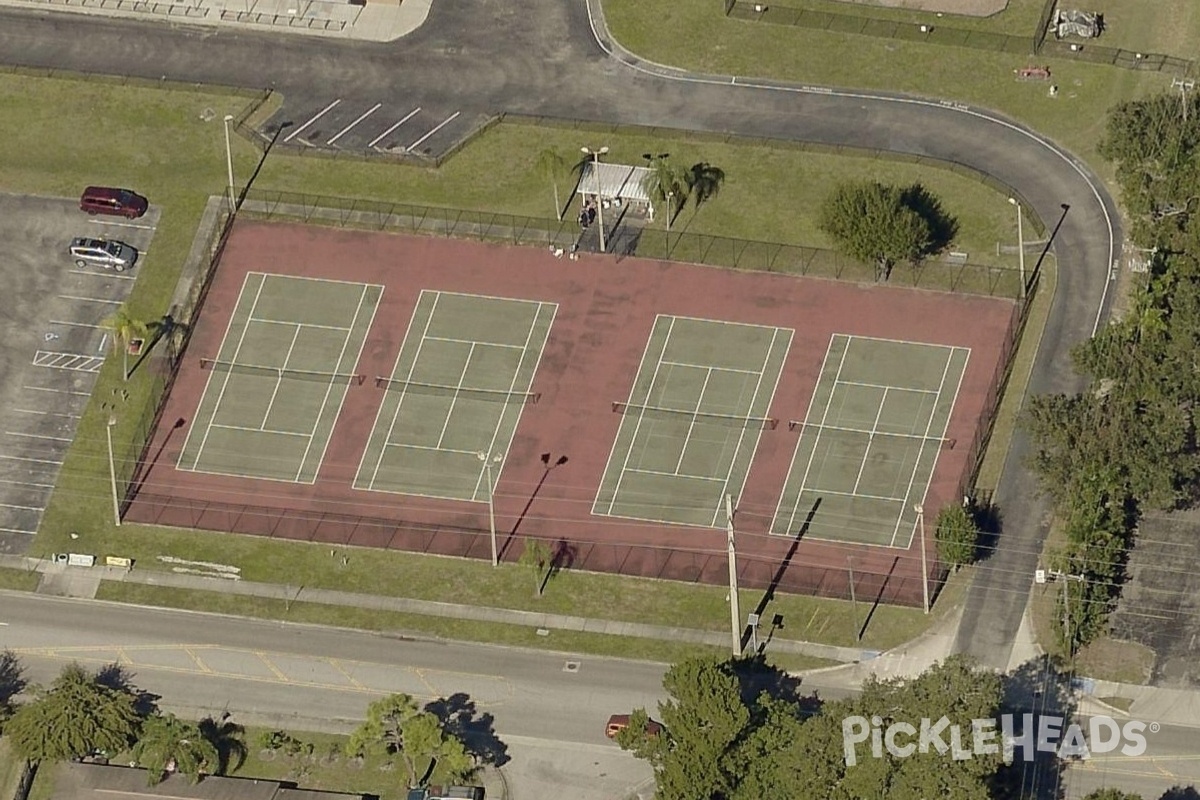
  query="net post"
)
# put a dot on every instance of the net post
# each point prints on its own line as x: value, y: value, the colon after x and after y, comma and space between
x: 794, y: 423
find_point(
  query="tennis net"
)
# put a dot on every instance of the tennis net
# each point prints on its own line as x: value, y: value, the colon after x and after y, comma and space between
x: 704, y: 417
x: 440, y: 390
x: 342, y: 378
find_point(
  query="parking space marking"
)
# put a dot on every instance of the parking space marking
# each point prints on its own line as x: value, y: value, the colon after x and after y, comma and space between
x: 20, y: 531
x: 74, y: 324
x: 76, y: 362
x: 106, y: 274
x: 39, y: 436
x: 436, y: 128
x: 91, y: 299
x: 23, y: 508
x: 27, y: 483
x: 385, y: 134
x: 46, y: 413
x: 311, y: 120
x: 346, y: 129
x: 56, y: 391
x: 34, y: 460
x: 122, y: 224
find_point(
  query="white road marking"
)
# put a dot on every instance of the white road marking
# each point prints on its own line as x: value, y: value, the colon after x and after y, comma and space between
x: 313, y: 119
x: 346, y: 129
x: 436, y: 128
x: 386, y: 133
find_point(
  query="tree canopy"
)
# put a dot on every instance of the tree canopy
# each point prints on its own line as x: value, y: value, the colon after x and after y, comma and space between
x: 957, y: 536
x: 76, y: 716
x: 168, y: 744
x: 396, y: 726
x: 883, y: 225
x: 723, y: 742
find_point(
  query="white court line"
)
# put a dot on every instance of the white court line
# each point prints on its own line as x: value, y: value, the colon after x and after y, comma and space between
x: 884, y: 386
x: 855, y: 494
x: 641, y: 471
x: 362, y: 344
x: 91, y: 299
x: 945, y: 427
x: 695, y: 415
x: 73, y: 324
x: 46, y: 413
x: 871, y: 436
x: 254, y: 430
x: 641, y: 414
x: 34, y: 460
x: 56, y: 391
x: 824, y: 417
x: 355, y: 284
x: 900, y: 341
x: 454, y: 398
x: 346, y: 129
x: 843, y: 429
x: 436, y: 128
x: 725, y: 322
x: 753, y: 399
x: 300, y: 324
x: 40, y: 436
x: 225, y: 383
x: 329, y: 390
x: 706, y: 366
x: 384, y: 135
x: 400, y: 400
x: 470, y: 341
x: 262, y: 426
x: 512, y: 385
x: 311, y: 120
x: 403, y: 446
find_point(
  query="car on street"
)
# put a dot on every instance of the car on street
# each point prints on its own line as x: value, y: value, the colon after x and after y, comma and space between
x: 619, y: 722
x: 105, y: 253
x: 447, y: 793
x: 116, y: 202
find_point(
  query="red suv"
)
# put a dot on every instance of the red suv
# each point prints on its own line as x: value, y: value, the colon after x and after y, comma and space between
x: 118, y: 202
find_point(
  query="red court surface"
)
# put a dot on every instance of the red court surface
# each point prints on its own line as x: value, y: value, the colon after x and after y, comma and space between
x: 606, y: 309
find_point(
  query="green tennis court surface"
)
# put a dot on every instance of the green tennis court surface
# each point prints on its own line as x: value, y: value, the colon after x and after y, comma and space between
x: 277, y: 383
x: 692, y: 422
x: 455, y: 396
x: 870, y: 440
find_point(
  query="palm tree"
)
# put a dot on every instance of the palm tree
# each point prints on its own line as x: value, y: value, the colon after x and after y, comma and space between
x: 668, y: 184
x: 226, y: 738
x: 552, y: 164
x: 168, y: 744
x: 704, y: 182
x: 124, y: 328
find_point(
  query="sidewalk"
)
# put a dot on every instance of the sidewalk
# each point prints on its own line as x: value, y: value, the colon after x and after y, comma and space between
x: 370, y: 22
x: 60, y: 579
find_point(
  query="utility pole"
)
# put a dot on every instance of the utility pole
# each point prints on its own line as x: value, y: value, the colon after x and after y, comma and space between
x: 735, y: 614
x: 1184, y: 86
x: 1020, y: 243
x: 920, y: 509
x: 1040, y: 576
x: 854, y: 601
x: 595, y: 155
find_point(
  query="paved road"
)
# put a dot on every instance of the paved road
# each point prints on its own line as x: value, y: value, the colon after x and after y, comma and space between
x: 548, y: 715
x: 541, y: 56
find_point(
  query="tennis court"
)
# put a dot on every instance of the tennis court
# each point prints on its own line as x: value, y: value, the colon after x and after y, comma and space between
x: 870, y: 440
x: 277, y: 383
x: 692, y: 421
x: 455, y: 396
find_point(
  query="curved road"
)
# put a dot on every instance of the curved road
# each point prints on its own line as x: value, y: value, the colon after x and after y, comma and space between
x: 545, y: 57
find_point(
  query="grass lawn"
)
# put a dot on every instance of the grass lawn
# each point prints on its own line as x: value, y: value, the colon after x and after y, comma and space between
x: 693, y: 34
x: 1168, y: 26
x: 168, y: 151
x: 19, y: 580
x: 1019, y: 17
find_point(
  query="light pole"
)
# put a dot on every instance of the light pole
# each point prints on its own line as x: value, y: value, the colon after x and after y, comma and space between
x: 595, y: 154
x: 735, y: 614
x: 489, y: 461
x: 229, y: 164
x: 112, y: 470
x: 920, y: 509
x: 670, y: 197
x: 1020, y: 243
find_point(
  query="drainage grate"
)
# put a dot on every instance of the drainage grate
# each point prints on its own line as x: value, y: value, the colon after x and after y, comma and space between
x: 571, y: 666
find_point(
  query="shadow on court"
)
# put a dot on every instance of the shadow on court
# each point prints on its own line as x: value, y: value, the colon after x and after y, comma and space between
x: 769, y: 594
x: 512, y: 534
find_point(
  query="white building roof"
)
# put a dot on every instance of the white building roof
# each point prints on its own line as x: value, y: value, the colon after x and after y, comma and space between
x: 616, y: 180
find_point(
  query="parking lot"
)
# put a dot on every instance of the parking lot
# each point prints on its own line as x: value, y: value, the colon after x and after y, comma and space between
x: 346, y: 123
x: 53, y: 344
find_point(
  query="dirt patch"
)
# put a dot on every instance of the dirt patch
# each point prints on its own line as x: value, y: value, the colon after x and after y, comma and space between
x: 969, y: 8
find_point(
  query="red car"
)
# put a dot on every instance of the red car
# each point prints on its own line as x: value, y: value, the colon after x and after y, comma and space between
x: 117, y: 202
x: 619, y: 722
